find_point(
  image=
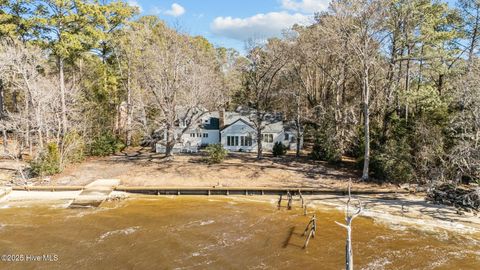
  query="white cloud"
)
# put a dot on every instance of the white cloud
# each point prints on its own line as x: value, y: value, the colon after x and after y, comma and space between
x: 175, y: 10
x: 306, y: 6
x: 258, y: 26
x: 134, y: 3
x: 155, y: 10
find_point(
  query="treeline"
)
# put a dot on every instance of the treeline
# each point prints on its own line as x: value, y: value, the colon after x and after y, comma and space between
x: 81, y: 78
x: 392, y: 83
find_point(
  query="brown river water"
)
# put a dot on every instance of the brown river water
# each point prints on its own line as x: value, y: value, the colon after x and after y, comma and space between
x: 215, y: 233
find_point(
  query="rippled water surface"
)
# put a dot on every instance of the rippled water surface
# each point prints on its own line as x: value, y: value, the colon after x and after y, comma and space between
x: 217, y: 233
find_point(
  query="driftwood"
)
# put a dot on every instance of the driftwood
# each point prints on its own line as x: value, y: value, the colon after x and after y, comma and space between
x: 301, y: 198
x: 312, y: 226
x: 349, y: 217
x: 290, y: 200
x: 466, y: 199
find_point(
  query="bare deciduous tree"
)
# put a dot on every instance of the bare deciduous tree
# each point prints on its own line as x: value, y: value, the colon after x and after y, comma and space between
x: 349, y: 217
x: 37, y: 120
x: 181, y: 80
x: 265, y: 63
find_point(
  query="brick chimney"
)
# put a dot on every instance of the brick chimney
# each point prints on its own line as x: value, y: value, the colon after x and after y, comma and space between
x: 221, y: 114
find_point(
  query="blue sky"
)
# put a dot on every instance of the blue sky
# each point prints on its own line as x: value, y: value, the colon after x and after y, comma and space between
x: 229, y: 23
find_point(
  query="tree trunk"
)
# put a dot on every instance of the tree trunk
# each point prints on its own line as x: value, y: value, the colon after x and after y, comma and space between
x: 259, y: 135
x: 299, y: 141
x: 39, y: 127
x: 259, y: 144
x: 407, y: 83
x: 2, y: 110
x: 15, y: 101
x: 440, y: 84
x: 348, y: 249
x: 170, y: 141
x: 129, y: 108
x: 297, y: 125
x: 5, y: 139
x: 473, y: 40
x: 28, y: 127
x: 60, y: 63
x: 366, y: 118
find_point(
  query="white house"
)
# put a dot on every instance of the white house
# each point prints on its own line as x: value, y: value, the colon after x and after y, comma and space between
x: 201, y: 134
x: 235, y: 131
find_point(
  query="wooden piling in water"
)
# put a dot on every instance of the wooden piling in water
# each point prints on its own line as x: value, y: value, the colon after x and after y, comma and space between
x: 290, y: 199
x: 301, y: 198
x: 313, y: 229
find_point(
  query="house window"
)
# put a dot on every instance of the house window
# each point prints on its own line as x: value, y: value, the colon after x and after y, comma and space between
x: 192, y: 135
x: 267, y: 138
x: 199, y: 135
x: 229, y: 140
x: 205, y: 135
x: 246, y: 141
x: 232, y: 140
x: 287, y: 136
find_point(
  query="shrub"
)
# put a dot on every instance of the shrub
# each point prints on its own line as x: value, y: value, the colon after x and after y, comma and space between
x: 393, y: 163
x: 105, y: 145
x: 48, y: 162
x: 73, y: 148
x: 392, y: 160
x: 325, y: 148
x: 216, y: 153
x: 279, y: 149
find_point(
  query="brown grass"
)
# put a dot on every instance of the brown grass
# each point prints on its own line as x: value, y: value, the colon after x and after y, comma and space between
x: 140, y: 167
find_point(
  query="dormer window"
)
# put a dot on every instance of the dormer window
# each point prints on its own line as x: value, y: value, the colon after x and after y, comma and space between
x: 183, y: 123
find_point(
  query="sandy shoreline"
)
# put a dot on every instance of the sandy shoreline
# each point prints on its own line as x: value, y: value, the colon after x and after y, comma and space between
x: 404, y: 210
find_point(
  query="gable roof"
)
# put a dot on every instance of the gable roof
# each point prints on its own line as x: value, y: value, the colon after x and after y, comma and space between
x: 239, y: 119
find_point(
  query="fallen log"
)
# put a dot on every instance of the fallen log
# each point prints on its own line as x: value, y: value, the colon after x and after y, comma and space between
x: 467, y: 200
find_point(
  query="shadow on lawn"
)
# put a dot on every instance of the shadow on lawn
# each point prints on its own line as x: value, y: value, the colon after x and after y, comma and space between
x: 312, y: 169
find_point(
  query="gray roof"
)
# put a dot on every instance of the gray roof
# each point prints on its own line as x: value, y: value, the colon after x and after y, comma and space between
x: 238, y: 119
x: 275, y: 127
x: 213, y: 125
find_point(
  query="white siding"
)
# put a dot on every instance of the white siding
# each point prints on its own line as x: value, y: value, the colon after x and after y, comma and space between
x: 213, y: 137
x: 191, y: 143
x: 277, y: 137
x: 206, y: 137
x: 239, y: 129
